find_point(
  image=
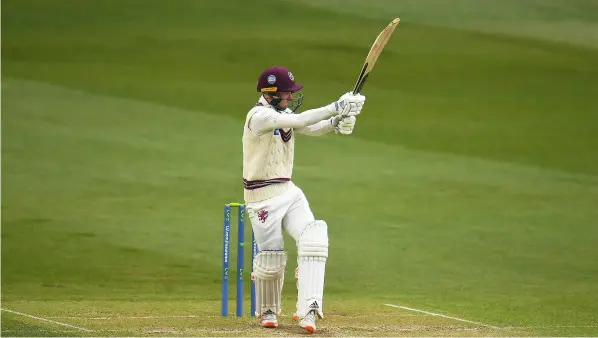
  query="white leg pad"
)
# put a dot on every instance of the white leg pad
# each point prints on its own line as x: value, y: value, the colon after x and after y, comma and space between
x: 268, y: 273
x: 312, y: 254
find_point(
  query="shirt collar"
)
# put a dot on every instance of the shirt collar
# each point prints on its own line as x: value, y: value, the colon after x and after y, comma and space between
x: 263, y: 101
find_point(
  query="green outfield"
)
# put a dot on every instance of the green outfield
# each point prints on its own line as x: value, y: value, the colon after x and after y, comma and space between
x: 468, y: 190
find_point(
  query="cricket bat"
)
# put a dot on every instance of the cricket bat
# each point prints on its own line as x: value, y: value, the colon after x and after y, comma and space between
x: 375, y: 51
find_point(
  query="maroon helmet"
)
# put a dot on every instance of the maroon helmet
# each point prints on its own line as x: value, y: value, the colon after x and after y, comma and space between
x: 278, y: 79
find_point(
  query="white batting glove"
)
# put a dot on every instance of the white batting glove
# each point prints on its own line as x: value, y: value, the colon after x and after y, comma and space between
x: 347, y: 105
x: 343, y: 125
x: 356, y: 102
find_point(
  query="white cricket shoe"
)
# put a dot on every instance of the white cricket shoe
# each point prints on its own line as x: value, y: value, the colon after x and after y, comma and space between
x: 308, y: 322
x: 295, y: 316
x: 269, y: 320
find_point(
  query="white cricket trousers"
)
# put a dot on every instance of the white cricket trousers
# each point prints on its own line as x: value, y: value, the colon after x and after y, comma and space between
x: 289, y: 212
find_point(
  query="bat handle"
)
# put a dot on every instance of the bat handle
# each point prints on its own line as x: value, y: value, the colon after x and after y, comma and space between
x: 357, y: 88
x: 360, y: 84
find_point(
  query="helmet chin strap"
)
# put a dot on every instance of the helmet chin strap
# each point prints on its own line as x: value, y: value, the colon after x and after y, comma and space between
x: 293, y: 104
x: 275, y: 101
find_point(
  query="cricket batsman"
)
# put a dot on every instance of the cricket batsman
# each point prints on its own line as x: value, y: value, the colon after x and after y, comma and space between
x: 275, y: 204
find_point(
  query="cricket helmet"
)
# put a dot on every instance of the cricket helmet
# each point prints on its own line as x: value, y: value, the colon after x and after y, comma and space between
x: 276, y: 79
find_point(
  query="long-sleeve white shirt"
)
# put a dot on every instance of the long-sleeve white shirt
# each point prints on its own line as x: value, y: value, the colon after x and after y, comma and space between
x: 313, y: 122
x: 268, y: 147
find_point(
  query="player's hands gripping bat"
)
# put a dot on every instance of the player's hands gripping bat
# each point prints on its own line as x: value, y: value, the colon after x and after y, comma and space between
x: 347, y: 105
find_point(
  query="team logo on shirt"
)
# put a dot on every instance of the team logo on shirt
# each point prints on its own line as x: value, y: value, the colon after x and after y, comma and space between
x: 285, y: 135
x: 262, y: 215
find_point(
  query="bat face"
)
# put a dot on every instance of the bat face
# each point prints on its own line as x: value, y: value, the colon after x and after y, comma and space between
x: 375, y: 51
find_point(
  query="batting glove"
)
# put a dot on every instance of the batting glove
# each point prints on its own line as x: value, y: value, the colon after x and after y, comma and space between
x: 343, y: 125
x: 348, y: 105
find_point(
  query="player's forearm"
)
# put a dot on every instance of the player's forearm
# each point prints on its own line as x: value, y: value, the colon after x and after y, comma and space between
x: 313, y: 116
x: 295, y: 121
x: 317, y: 129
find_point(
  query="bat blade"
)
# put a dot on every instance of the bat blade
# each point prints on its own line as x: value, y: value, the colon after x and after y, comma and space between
x: 375, y: 51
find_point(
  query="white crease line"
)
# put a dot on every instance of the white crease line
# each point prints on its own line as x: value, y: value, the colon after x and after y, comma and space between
x: 414, y: 329
x: 441, y: 315
x: 61, y: 330
x: 209, y: 316
x: 550, y: 326
x: 375, y: 315
x: 47, y: 320
x: 132, y: 317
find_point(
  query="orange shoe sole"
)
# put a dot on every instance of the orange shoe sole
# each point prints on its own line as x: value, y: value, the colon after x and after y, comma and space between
x: 310, y: 328
x: 269, y: 325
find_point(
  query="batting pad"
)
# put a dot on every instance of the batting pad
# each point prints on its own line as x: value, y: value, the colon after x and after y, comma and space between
x: 268, y: 273
x: 312, y: 255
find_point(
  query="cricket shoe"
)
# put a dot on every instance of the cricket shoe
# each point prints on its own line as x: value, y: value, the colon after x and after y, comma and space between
x: 308, y: 322
x: 269, y: 320
x: 295, y: 316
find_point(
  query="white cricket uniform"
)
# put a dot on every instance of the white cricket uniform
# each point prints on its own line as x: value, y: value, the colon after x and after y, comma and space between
x: 274, y: 203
